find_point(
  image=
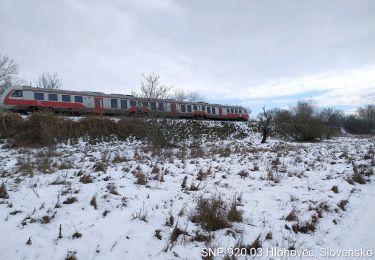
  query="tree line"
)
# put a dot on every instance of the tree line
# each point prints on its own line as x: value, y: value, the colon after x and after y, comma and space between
x: 306, y: 122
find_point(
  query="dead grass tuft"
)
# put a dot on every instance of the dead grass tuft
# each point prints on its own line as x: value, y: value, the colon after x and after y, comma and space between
x: 86, y: 179
x: 211, y: 213
x: 70, y: 200
x: 176, y: 232
x: 3, y: 192
x: 93, y: 202
x: 140, y: 178
x: 292, y: 216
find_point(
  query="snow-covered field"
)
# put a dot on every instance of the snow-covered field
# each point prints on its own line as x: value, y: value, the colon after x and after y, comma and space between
x: 296, y: 196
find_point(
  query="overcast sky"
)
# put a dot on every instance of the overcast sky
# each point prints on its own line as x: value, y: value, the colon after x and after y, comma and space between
x: 253, y: 52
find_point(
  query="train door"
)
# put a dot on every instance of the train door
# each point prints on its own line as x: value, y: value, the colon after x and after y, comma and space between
x: 99, y: 106
x: 173, y: 108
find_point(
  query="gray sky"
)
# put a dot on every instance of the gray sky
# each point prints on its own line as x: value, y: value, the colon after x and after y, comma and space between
x: 252, y: 53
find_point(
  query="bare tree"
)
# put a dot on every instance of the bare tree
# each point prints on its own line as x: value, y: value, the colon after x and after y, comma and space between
x: 151, y: 91
x: 367, y: 113
x: 151, y: 88
x: 8, y: 70
x: 191, y: 96
x: 264, y: 123
x: 49, y: 81
x: 179, y: 95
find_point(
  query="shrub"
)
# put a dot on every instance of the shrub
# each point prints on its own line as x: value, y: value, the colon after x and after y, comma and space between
x: 211, y: 213
x: 302, y: 123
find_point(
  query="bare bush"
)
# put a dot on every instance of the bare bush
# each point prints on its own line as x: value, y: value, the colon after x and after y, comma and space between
x: 303, y: 123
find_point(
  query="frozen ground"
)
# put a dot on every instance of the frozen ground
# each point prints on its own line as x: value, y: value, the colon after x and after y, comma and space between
x: 292, y: 195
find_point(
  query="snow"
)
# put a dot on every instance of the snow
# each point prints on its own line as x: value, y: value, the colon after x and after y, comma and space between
x: 302, y: 178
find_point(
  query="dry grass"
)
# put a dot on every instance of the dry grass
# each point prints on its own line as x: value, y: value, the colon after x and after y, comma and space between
x: 46, y: 129
x: 141, y: 214
x: 93, y: 202
x: 140, y: 178
x: 111, y: 187
x: 306, y: 227
x: 292, y: 216
x: 176, y: 232
x: 342, y: 204
x: 335, y: 189
x: 243, y: 174
x: 71, y: 255
x: 70, y: 200
x: 3, y: 192
x: 86, y: 179
x: 234, y: 215
x: 211, y: 213
x: 25, y: 165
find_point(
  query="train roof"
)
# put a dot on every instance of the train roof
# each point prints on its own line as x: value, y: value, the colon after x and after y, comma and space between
x: 102, y: 94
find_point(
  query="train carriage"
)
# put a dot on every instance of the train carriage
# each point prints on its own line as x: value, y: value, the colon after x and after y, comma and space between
x: 25, y: 98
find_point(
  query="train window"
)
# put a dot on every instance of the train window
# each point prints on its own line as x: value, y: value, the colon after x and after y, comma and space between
x: 195, y: 108
x: 232, y: 111
x: 189, y: 108
x: 161, y: 106
x: 228, y: 111
x: 209, y: 110
x: 240, y: 111
x: 65, y: 98
x: 78, y: 99
x: 203, y: 108
x: 52, y: 97
x: 133, y: 103
x: 114, y: 103
x: 17, y: 93
x: 153, y: 106
x: 183, y: 108
x: 213, y: 111
x: 124, y: 104
x: 236, y: 111
x: 145, y: 104
x: 38, y: 96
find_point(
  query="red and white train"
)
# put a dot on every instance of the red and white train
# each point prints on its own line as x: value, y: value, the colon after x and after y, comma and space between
x: 25, y: 98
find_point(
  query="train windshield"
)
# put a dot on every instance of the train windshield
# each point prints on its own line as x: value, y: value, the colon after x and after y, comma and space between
x: 17, y: 93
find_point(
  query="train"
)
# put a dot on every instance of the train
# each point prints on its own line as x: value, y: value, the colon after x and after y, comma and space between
x: 29, y: 99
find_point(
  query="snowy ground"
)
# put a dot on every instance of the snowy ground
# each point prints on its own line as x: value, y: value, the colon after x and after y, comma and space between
x: 53, y: 188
